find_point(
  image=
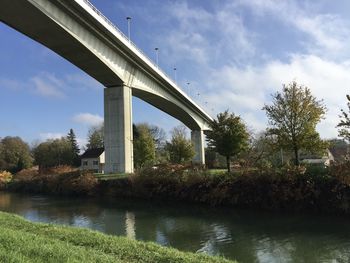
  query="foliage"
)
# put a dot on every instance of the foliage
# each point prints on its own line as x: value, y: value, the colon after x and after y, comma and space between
x: 158, y: 135
x: 290, y: 188
x: 53, y: 153
x: 14, y: 154
x: 96, y: 137
x: 228, y: 136
x: 264, y: 152
x: 5, y: 176
x: 339, y: 149
x: 159, y: 139
x: 75, y: 148
x: 293, y: 117
x: 144, y: 148
x: 344, y: 123
x: 179, y: 148
x: 213, y: 159
x: 61, y: 180
x: 37, y: 242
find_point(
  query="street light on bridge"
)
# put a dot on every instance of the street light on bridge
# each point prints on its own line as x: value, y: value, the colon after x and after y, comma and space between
x: 157, y: 50
x: 175, y: 77
x: 128, y: 18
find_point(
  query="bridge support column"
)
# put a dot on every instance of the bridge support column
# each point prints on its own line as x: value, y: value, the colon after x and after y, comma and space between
x: 118, y: 130
x: 197, y: 138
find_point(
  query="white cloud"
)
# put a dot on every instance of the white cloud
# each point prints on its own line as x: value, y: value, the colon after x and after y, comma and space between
x: 82, y: 81
x: 244, y: 91
x: 82, y: 142
x: 47, y: 85
x: 57, y: 135
x: 88, y: 119
x: 50, y: 135
x: 329, y: 33
x: 205, y: 37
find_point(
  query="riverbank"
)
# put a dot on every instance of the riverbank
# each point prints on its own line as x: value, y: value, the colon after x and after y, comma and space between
x: 24, y: 241
x: 320, y: 191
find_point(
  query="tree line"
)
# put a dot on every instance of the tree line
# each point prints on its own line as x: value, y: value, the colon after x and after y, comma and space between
x: 150, y: 144
x: 150, y: 147
x: 293, y: 115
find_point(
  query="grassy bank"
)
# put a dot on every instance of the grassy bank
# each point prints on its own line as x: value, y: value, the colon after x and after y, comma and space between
x: 286, y: 189
x: 24, y: 241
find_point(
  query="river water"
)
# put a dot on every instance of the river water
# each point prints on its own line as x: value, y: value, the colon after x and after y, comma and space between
x: 242, y: 235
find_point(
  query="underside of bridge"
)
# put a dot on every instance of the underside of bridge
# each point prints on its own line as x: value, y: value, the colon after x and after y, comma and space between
x: 78, y: 33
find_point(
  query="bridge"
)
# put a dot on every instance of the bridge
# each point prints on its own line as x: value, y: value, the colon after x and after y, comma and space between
x: 80, y: 33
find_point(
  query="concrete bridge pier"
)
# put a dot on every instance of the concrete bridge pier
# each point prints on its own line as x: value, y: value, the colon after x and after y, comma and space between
x: 197, y: 138
x: 118, y: 138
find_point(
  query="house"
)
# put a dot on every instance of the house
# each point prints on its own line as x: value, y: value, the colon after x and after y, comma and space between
x: 324, y: 160
x: 94, y: 160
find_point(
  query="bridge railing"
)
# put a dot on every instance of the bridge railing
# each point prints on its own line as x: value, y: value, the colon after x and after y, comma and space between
x: 98, y: 12
x: 147, y: 58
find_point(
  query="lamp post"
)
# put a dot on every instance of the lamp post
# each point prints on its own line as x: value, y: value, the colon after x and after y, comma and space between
x: 128, y: 18
x: 175, y: 77
x: 157, y: 50
x: 188, y: 89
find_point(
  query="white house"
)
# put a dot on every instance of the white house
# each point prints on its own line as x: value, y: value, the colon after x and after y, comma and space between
x: 94, y: 160
x: 325, y: 160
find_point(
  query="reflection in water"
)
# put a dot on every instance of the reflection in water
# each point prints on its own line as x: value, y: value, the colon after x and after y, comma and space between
x: 130, y: 225
x: 245, y: 236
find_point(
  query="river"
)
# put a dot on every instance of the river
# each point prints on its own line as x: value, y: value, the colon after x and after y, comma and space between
x: 246, y: 236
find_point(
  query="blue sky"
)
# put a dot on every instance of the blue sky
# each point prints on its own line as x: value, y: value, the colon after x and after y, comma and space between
x: 234, y: 53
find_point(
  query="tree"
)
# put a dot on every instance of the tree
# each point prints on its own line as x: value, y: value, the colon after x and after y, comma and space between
x: 75, y: 148
x: 53, y: 153
x: 264, y: 151
x: 144, y: 147
x: 159, y: 139
x: 228, y: 136
x: 213, y: 159
x: 158, y: 135
x: 179, y: 148
x: 96, y: 137
x: 339, y: 149
x: 293, y: 117
x: 14, y: 154
x: 344, y: 123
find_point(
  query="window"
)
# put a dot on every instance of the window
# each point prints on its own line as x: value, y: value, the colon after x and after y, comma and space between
x: 95, y: 162
x: 85, y: 163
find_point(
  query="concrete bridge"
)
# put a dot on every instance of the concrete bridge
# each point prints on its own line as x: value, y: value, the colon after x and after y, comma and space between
x: 80, y: 33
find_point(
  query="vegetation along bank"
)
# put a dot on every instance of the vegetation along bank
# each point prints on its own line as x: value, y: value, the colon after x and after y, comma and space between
x: 285, y: 189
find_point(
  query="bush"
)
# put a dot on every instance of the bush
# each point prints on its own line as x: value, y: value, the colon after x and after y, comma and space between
x: 63, y: 180
x: 5, y: 176
x: 288, y: 188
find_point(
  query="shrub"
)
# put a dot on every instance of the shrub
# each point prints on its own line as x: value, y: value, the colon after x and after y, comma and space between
x: 5, y: 176
x: 288, y: 188
x: 63, y: 180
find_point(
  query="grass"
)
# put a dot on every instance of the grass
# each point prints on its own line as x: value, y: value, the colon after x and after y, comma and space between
x: 217, y: 171
x: 24, y: 241
x: 100, y: 176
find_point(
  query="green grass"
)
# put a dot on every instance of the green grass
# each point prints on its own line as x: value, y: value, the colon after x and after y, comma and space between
x: 24, y: 241
x: 217, y: 171
x: 110, y: 176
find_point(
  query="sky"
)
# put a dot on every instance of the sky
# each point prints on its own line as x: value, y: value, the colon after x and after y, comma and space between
x: 234, y: 54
